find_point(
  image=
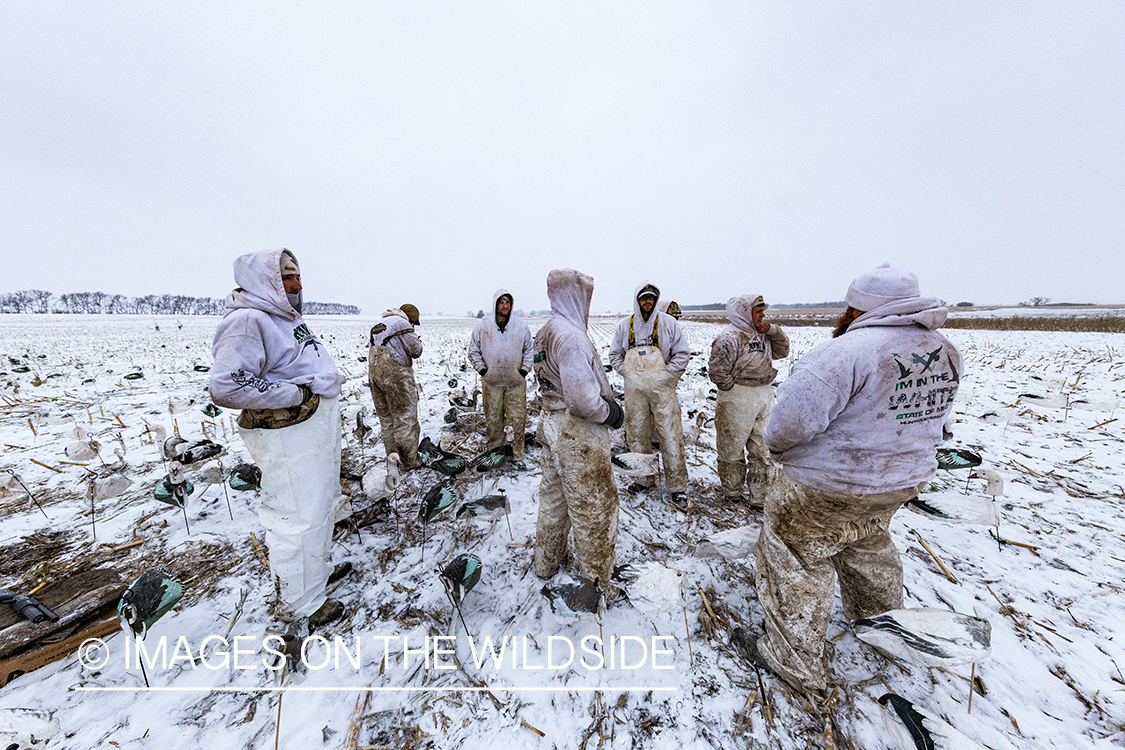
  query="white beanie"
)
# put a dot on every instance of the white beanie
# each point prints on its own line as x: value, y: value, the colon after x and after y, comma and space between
x: 876, y: 288
x: 289, y: 265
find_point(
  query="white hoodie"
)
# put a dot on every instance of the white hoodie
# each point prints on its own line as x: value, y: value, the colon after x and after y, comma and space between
x: 740, y: 355
x: 568, y: 368
x: 396, y: 333
x: 861, y: 414
x: 503, y: 352
x: 673, y: 346
x: 263, y: 349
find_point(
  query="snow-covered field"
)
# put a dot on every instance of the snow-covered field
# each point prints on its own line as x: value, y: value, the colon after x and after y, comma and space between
x: 1041, y: 408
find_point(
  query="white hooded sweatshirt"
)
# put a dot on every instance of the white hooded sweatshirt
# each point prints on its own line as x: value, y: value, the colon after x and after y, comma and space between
x: 740, y: 354
x: 670, y: 337
x: 263, y: 349
x: 567, y: 366
x: 861, y: 414
x: 396, y: 333
x: 504, y: 352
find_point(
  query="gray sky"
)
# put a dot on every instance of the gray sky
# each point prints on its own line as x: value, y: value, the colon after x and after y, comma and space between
x: 430, y: 152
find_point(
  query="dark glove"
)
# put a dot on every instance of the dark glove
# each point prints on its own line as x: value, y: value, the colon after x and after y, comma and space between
x: 306, y: 393
x: 523, y: 373
x: 483, y: 371
x: 616, y: 416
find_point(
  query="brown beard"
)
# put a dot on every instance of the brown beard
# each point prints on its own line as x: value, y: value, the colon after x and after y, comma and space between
x: 846, y: 319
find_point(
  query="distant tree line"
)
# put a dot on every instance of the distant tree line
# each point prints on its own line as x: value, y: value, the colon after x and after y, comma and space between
x: 40, y: 301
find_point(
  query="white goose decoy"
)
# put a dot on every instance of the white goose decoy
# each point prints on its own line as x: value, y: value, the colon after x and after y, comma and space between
x: 912, y: 728
x: 635, y: 464
x: 22, y: 728
x: 463, y: 402
x: 157, y: 433
x: 82, y: 450
x: 994, y: 483
x: 956, y: 507
x: 379, y: 481
x: 653, y: 588
x: 932, y: 637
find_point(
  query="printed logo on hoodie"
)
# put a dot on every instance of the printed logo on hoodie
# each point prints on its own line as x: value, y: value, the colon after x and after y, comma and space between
x: 305, y: 337
x: 923, y: 394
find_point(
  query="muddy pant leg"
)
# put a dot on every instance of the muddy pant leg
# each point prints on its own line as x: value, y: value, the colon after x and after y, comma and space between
x: 757, y: 454
x: 382, y: 410
x: 553, y: 525
x: 668, y: 421
x: 797, y: 598
x: 732, y: 429
x: 870, y: 572
x: 407, y: 431
x: 492, y: 397
x: 591, y: 497
x: 515, y: 416
x: 638, y: 426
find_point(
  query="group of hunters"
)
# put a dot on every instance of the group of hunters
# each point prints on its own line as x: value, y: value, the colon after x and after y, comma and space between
x: 853, y: 429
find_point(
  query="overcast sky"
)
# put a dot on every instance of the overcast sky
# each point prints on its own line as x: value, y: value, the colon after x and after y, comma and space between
x: 431, y: 152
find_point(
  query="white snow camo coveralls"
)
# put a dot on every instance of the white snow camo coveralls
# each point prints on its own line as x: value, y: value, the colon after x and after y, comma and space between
x: 651, y: 372
x: 390, y: 374
x: 577, y: 489
x: 741, y: 366
x: 263, y: 350
x: 505, y: 352
x: 855, y: 428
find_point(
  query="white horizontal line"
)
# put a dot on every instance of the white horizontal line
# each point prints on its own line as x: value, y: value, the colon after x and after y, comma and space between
x: 436, y: 689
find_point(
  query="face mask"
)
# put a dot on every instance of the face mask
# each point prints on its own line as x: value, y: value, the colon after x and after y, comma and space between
x: 295, y: 301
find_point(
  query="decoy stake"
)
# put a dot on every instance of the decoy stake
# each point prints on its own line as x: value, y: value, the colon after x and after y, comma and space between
x: 226, y: 494
x: 972, y: 679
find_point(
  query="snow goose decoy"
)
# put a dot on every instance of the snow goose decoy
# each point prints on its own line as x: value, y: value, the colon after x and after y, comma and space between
x: 957, y: 507
x: 915, y: 729
x: 26, y: 728
x: 382, y: 481
x: 635, y: 464
x: 491, y: 459
x: 932, y: 637
x: 492, y: 506
x: 651, y: 587
x: 82, y: 450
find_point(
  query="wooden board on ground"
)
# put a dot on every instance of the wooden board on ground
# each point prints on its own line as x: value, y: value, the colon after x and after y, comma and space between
x: 75, y: 599
x: 105, y: 623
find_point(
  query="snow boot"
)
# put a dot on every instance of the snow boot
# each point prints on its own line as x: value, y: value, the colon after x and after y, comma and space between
x: 330, y: 611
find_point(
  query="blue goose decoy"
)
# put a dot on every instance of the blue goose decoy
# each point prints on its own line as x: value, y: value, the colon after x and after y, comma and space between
x: 492, y: 459
x: 951, y: 459
x: 450, y: 464
x: 463, y: 572
x: 436, y: 501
